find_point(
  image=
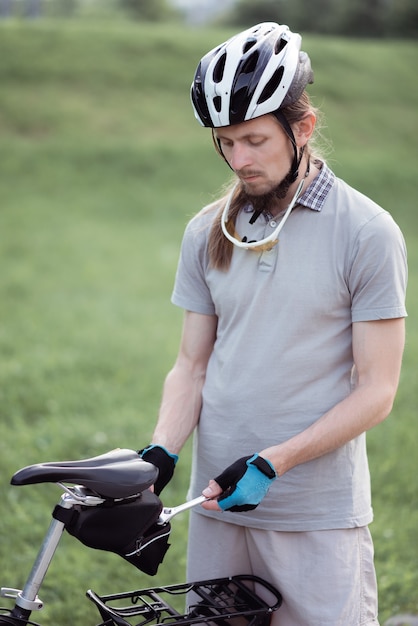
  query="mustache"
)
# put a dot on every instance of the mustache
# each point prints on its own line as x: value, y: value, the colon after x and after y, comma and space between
x: 247, y: 173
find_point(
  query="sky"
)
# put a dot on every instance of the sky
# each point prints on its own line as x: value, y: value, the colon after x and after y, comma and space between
x: 199, y: 11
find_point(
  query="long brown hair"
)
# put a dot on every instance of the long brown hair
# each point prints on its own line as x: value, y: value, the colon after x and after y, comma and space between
x: 219, y: 247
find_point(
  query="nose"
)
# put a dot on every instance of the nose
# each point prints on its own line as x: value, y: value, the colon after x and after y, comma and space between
x: 239, y: 157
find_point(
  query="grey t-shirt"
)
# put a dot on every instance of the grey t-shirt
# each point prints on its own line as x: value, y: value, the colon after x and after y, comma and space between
x: 283, y: 352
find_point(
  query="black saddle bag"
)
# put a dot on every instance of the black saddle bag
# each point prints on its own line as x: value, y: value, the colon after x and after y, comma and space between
x: 126, y: 527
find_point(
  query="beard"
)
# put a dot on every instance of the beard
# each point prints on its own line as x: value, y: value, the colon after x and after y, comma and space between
x: 267, y: 202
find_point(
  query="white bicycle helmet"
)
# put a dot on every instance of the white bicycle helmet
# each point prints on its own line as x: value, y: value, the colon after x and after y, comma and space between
x: 258, y: 71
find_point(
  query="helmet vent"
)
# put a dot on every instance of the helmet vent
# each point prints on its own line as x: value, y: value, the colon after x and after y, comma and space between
x: 272, y: 85
x: 218, y: 71
x: 217, y: 103
x: 251, y: 41
x: 249, y: 66
x: 280, y: 44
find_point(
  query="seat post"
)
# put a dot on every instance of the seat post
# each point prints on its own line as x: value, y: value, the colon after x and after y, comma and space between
x: 28, y: 598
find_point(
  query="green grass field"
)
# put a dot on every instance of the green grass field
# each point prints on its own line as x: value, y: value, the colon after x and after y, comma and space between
x: 102, y: 164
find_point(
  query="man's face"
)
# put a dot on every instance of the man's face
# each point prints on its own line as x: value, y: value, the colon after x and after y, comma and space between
x: 260, y: 153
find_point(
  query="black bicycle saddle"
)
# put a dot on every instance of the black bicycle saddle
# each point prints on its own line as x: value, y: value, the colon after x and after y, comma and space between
x: 120, y: 473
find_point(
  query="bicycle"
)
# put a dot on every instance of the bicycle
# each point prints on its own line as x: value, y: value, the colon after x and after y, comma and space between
x: 107, y: 505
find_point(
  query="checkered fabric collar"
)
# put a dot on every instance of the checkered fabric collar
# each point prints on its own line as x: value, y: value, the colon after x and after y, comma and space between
x: 315, y: 195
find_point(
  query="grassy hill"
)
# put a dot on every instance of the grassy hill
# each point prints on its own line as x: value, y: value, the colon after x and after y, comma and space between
x: 102, y: 165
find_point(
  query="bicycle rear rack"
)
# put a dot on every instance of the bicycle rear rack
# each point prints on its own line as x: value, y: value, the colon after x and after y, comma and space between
x: 230, y: 601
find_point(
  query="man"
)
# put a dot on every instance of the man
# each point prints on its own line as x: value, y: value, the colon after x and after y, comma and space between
x: 293, y: 288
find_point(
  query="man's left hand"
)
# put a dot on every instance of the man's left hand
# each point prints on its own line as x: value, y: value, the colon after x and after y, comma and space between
x: 241, y: 486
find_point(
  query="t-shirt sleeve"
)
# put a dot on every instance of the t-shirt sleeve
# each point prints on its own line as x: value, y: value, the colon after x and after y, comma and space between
x: 191, y: 291
x: 378, y: 272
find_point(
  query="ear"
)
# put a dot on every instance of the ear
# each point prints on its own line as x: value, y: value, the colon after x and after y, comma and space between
x: 304, y: 128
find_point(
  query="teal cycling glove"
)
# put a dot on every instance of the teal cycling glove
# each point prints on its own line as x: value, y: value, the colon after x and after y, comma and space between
x: 164, y: 460
x: 245, y: 483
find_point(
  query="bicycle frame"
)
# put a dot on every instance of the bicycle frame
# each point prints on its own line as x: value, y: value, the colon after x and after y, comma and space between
x: 123, y: 475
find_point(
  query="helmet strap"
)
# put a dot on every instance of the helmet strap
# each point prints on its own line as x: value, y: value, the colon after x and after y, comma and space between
x: 218, y: 148
x: 297, y: 158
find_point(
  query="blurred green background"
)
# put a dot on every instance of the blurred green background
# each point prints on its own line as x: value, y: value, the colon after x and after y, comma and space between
x: 102, y: 164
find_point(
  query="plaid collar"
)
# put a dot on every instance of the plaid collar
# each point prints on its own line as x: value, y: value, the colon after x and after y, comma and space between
x: 315, y: 195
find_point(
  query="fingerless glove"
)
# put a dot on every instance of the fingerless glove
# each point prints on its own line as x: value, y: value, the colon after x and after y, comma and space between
x: 164, y: 460
x: 245, y: 483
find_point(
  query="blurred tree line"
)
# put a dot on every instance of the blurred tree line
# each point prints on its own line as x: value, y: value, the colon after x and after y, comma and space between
x: 144, y: 10
x: 351, y: 18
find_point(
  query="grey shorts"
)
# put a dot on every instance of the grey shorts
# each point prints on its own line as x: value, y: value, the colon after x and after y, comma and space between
x: 326, y: 578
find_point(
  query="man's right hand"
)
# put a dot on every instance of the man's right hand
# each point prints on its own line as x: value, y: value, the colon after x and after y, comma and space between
x: 164, y: 460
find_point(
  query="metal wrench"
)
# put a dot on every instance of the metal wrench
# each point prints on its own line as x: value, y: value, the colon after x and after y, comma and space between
x: 167, y: 513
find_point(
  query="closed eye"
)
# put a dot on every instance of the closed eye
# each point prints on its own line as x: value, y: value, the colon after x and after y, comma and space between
x: 225, y: 143
x: 256, y: 141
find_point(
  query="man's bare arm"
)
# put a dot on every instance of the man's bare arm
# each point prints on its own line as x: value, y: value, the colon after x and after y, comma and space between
x: 182, y: 392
